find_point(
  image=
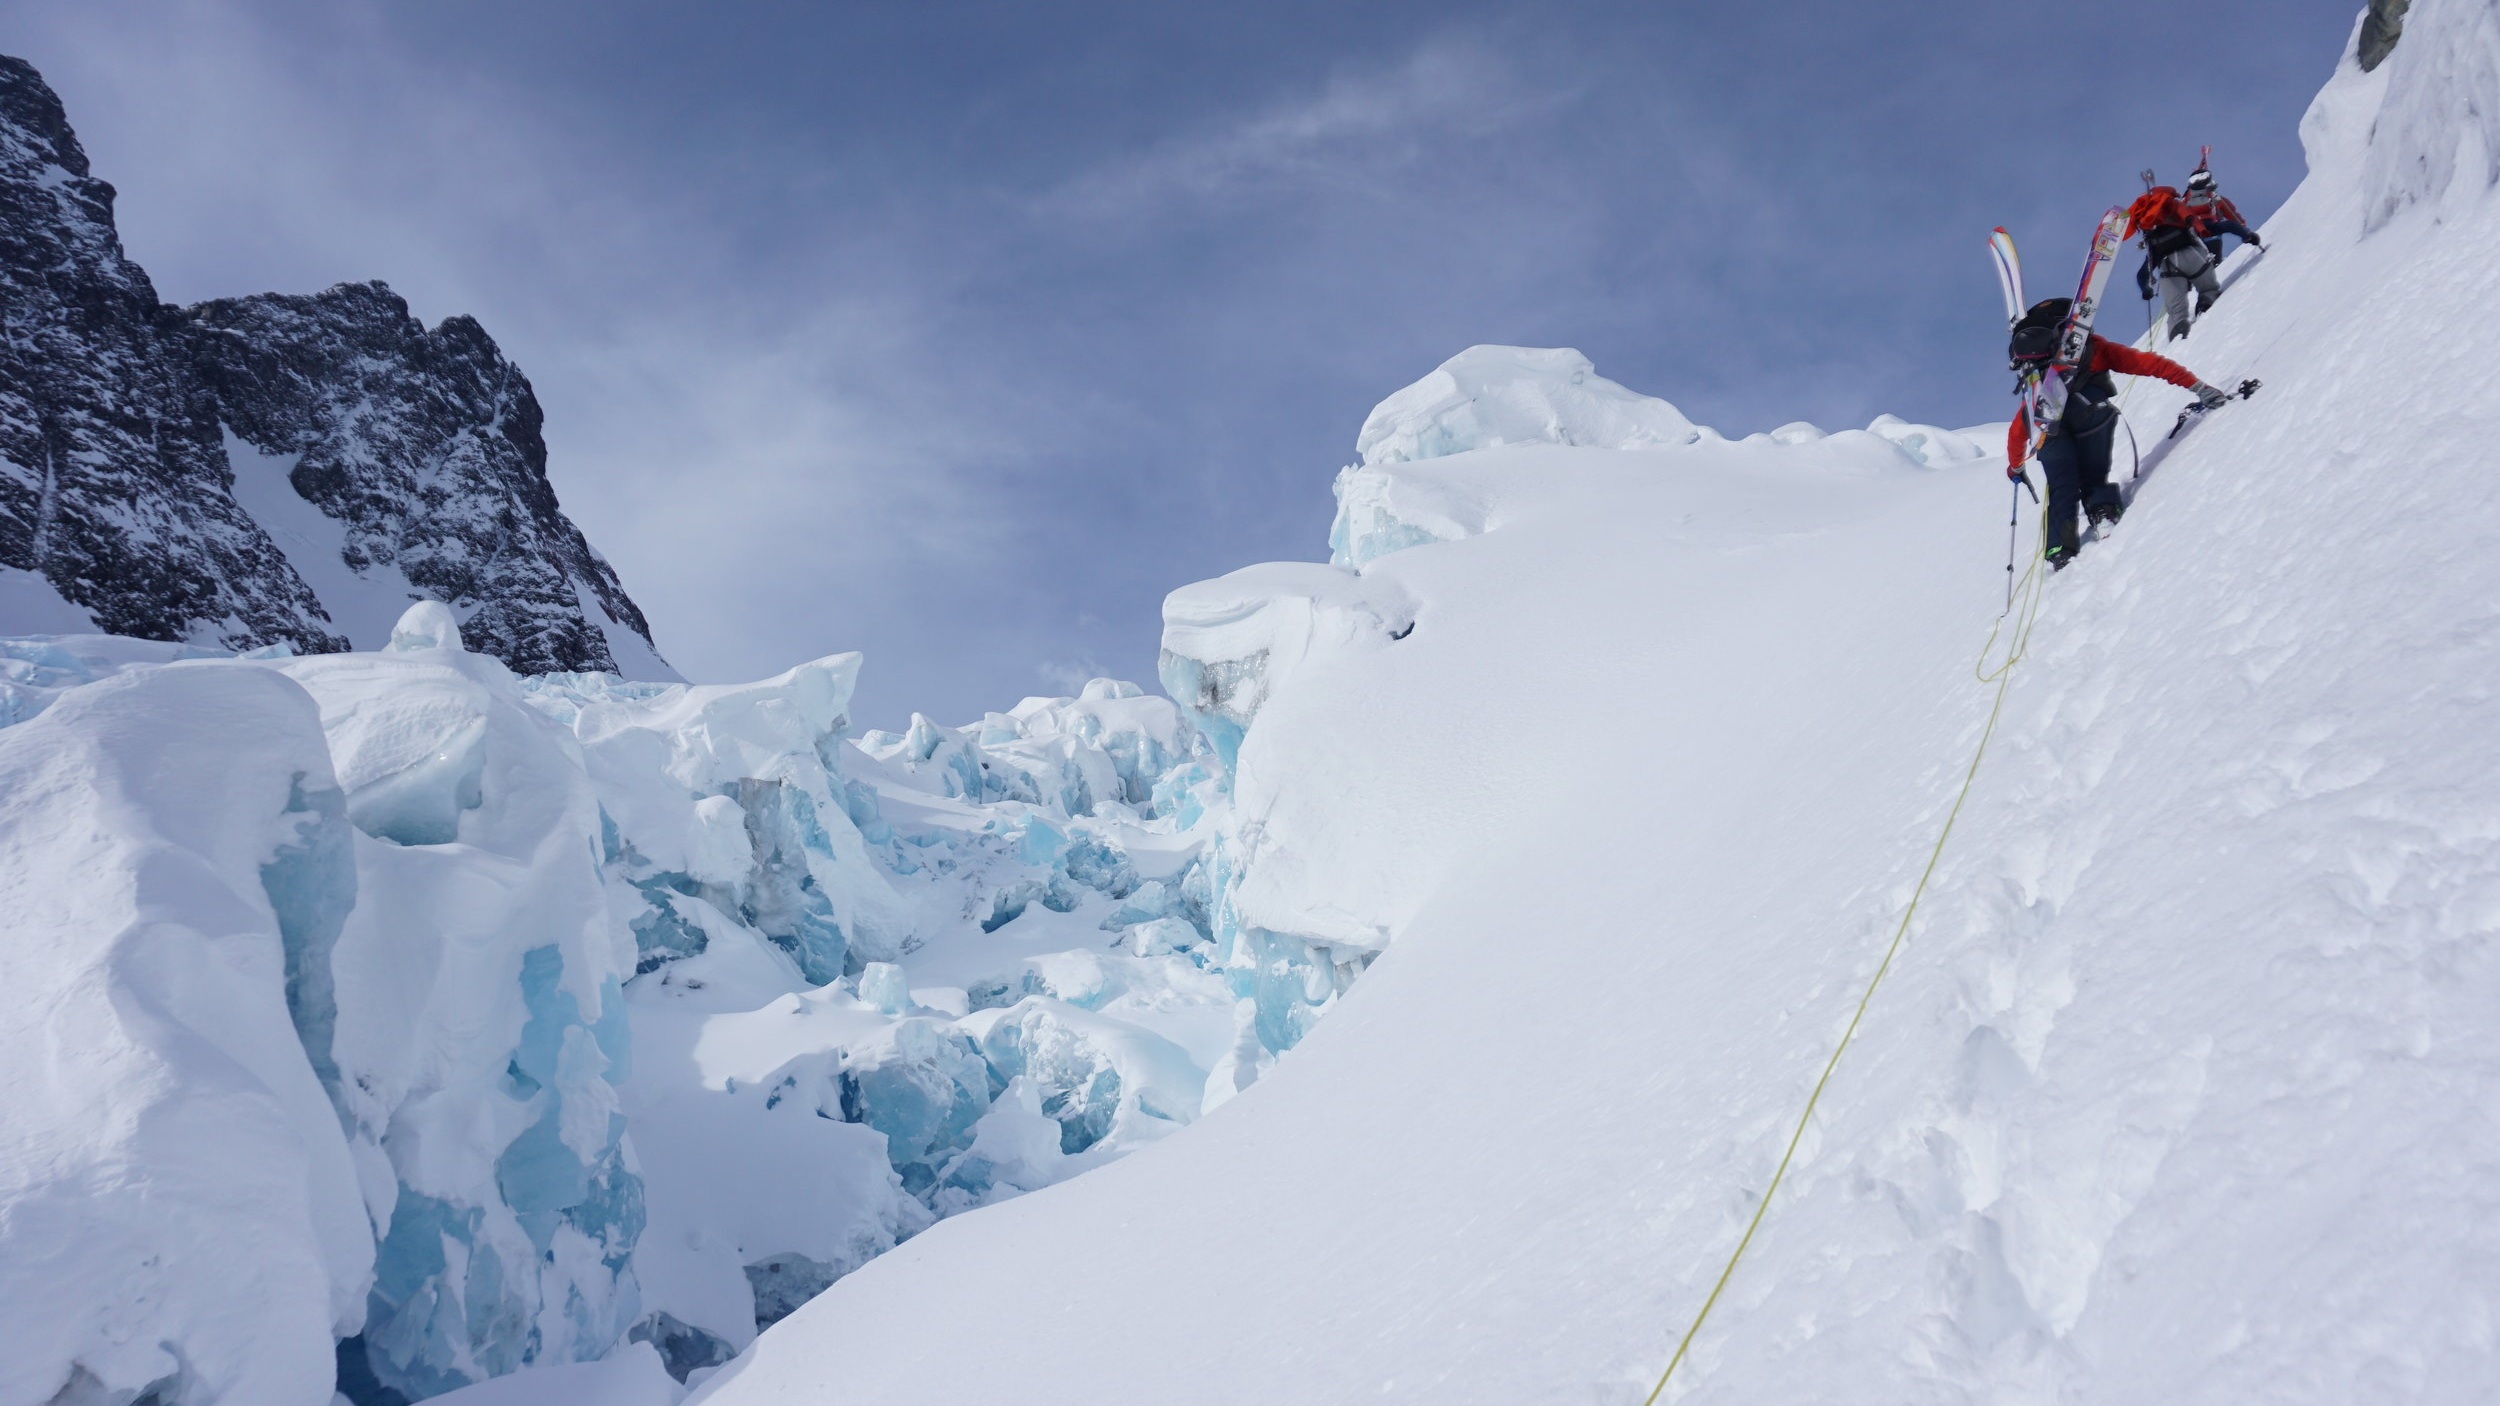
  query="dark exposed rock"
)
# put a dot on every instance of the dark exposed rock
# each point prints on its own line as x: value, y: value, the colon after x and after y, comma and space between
x: 422, y: 445
x: 2380, y: 29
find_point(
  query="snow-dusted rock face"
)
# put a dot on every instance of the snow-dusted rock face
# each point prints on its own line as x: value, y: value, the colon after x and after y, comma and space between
x: 112, y: 472
x: 272, y: 468
x: 424, y: 446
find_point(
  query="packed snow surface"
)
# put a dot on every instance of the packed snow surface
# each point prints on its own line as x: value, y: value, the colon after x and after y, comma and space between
x: 2180, y: 1092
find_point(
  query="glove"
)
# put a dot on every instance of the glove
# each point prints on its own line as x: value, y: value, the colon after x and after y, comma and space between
x: 2211, y: 397
x: 2014, y: 473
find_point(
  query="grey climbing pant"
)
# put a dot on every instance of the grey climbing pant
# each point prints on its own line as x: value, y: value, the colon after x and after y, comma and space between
x: 2194, y: 267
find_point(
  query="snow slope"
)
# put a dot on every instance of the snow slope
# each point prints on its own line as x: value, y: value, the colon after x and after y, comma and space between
x: 2182, y: 1090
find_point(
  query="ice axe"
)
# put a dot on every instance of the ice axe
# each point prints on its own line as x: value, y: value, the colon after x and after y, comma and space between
x: 2247, y: 388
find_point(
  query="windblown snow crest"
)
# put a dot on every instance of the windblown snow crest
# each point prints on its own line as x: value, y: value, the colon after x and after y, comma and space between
x: 266, y: 469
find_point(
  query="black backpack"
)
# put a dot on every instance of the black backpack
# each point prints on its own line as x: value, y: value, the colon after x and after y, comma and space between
x: 2033, y: 344
x: 2034, y: 338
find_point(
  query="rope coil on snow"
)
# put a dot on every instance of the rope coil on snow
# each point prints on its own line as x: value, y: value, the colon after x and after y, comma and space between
x: 2002, y: 675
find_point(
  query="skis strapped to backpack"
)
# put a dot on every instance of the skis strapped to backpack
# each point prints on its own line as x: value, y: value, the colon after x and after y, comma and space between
x: 2076, y: 336
x: 2044, y: 393
x: 2009, y: 274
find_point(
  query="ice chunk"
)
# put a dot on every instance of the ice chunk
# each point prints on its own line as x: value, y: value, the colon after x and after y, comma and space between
x: 1935, y: 448
x: 1161, y: 937
x: 883, y: 985
x: 1079, y: 978
x: 1379, y: 512
x: 1230, y: 642
x: 481, y: 1024
x: 719, y: 850
x: 1015, y: 1148
x: 1487, y: 396
x: 170, y: 856
x: 1102, y: 1079
x: 429, y: 624
x: 922, y: 1084
x: 1242, y: 1063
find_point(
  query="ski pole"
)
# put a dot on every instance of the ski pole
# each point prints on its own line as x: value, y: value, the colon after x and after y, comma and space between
x: 2013, y: 519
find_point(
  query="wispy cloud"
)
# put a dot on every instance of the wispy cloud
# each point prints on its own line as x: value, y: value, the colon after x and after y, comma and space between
x: 1358, y: 127
x: 764, y: 446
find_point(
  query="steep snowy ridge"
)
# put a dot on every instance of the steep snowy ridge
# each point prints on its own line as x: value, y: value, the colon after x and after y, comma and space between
x: 264, y: 469
x: 2175, y: 1095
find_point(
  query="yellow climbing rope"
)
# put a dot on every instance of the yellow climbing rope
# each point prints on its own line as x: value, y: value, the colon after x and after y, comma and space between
x: 2001, y: 674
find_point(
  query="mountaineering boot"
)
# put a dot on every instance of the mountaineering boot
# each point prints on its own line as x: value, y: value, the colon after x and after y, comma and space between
x: 2203, y: 301
x: 2179, y: 329
x: 2104, y: 507
x: 2058, y: 557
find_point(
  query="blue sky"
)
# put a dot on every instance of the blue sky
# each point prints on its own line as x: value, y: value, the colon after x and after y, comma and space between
x: 958, y: 333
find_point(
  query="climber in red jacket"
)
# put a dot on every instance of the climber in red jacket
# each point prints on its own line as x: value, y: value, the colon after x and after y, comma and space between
x: 2074, y: 445
x: 2175, y: 254
x: 2212, y: 215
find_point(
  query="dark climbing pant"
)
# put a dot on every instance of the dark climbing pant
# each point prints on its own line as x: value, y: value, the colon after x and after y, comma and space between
x: 2077, y: 468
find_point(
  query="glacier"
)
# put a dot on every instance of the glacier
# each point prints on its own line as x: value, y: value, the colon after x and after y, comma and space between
x: 1413, y: 1001
x: 584, y: 1014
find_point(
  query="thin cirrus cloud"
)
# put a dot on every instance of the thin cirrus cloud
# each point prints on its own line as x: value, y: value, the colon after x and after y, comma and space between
x: 1358, y: 128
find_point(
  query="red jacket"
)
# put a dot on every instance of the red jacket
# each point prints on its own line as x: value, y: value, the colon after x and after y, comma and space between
x: 2102, y: 355
x: 2153, y: 209
x: 2202, y: 216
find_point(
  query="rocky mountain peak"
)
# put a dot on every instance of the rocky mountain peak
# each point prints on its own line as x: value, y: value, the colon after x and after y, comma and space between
x: 275, y: 468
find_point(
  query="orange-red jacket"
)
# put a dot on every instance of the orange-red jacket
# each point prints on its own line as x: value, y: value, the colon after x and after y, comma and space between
x: 2102, y: 355
x: 2206, y: 214
x: 2155, y: 209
